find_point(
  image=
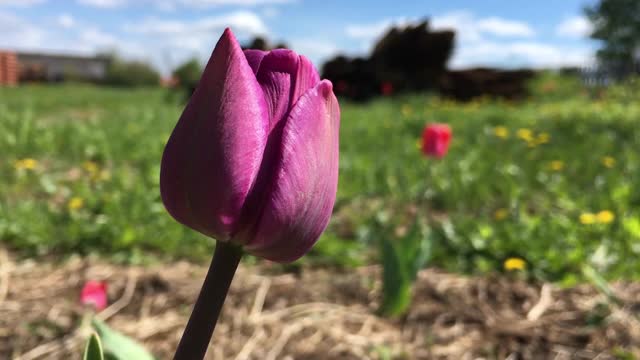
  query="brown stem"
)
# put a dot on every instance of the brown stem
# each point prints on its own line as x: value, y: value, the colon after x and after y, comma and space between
x: 206, y: 311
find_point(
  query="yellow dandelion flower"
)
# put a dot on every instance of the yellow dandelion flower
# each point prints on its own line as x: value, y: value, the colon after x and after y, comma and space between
x: 91, y: 167
x: 608, y: 161
x: 26, y: 164
x: 104, y: 175
x: 525, y: 134
x: 556, y: 165
x: 75, y: 203
x: 514, y: 263
x: 543, y: 138
x: 406, y: 110
x: 587, y: 218
x: 94, y: 171
x: 605, y: 217
x: 500, y: 214
x: 501, y: 132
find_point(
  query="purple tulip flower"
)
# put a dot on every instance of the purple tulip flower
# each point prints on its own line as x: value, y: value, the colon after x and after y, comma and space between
x: 253, y: 159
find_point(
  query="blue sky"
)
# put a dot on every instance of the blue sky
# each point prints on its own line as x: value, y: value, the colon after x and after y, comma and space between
x: 546, y: 33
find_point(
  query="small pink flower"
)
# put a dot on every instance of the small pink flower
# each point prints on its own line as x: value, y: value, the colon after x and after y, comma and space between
x: 94, y: 293
x: 435, y: 140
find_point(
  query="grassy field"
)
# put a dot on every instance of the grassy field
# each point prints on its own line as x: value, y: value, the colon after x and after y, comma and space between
x: 552, y: 180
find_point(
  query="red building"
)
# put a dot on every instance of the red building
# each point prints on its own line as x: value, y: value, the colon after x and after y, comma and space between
x: 17, y: 67
x: 8, y: 68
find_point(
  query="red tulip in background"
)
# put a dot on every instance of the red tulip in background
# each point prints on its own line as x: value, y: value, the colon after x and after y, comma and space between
x: 436, y: 139
x: 341, y: 87
x: 94, y: 293
x: 386, y: 88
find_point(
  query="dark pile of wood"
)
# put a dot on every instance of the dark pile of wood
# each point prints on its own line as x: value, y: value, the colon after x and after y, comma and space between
x: 404, y: 59
x: 465, y: 85
x: 414, y: 59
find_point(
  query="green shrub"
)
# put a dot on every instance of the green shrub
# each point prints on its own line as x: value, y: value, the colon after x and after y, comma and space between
x: 131, y: 74
x: 188, y: 74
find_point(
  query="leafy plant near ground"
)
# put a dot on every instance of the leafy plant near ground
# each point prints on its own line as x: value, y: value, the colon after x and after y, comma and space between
x: 551, y: 181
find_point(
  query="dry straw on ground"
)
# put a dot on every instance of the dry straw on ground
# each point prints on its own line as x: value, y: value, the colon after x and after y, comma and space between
x: 317, y: 314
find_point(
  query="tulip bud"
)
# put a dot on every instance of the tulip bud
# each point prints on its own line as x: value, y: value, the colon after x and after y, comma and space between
x: 435, y: 140
x: 253, y: 159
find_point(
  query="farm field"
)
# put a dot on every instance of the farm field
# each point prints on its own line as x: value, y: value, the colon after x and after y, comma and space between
x: 542, y: 191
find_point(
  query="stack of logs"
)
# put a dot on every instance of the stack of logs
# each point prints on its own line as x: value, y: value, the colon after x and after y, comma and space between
x: 414, y: 59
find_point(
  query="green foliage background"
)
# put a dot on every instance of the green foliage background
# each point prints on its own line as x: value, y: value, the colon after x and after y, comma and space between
x: 94, y: 188
x: 616, y: 25
x: 131, y: 74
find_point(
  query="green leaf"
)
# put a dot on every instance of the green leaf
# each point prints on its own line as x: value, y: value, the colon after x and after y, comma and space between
x: 419, y: 250
x: 93, y: 350
x: 396, y: 287
x: 600, y: 283
x: 118, y: 346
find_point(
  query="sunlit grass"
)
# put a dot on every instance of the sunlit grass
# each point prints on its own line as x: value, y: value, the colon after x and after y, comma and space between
x: 551, y: 181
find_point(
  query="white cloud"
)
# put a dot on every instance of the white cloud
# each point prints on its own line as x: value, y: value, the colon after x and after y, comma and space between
x: 317, y: 50
x: 498, y: 42
x: 66, y: 21
x: 170, y: 41
x: 21, y: 35
x: 97, y: 37
x: 462, y: 22
x: 503, y: 27
x: 239, y: 21
x: 208, y: 3
x: 467, y: 27
x: 165, y: 5
x: 486, y: 41
x: 574, y: 27
x: 163, y: 42
x: 17, y: 33
x: 371, y: 31
x: 105, y: 4
x: 171, y: 5
x: 270, y: 12
x: 520, y: 54
x: 21, y: 3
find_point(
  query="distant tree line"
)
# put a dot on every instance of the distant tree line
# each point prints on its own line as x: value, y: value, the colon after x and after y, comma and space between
x: 616, y: 25
x: 130, y: 73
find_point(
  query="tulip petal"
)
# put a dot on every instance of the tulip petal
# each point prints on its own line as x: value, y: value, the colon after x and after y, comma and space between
x: 303, y: 181
x: 214, y: 154
x: 254, y: 58
x: 277, y: 78
x: 306, y: 77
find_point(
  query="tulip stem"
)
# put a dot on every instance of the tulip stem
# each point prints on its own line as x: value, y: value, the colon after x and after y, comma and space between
x: 197, y: 335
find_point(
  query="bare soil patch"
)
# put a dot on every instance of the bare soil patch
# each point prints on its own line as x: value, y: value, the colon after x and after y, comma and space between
x: 316, y: 314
